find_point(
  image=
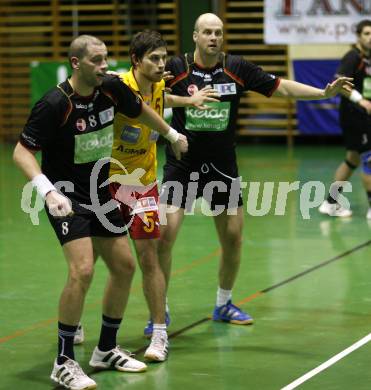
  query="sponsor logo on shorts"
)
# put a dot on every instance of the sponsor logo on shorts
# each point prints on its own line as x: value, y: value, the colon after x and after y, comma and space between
x: 145, y: 204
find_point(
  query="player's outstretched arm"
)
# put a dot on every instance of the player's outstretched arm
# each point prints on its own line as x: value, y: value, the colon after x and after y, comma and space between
x: 293, y: 89
x: 198, y: 99
x: 58, y: 205
x: 151, y: 119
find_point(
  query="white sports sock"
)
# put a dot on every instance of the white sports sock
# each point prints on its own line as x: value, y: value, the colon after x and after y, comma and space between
x: 167, y: 305
x: 159, y: 329
x: 223, y: 296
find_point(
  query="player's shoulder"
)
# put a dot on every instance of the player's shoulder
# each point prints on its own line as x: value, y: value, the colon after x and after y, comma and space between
x: 110, y: 80
x: 127, y: 77
x: 353, y: 54
x: 235, y: 60
x: 57, y: 95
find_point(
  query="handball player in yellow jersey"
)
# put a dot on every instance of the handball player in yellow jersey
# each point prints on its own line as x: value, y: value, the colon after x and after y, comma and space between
x: 133, y: 174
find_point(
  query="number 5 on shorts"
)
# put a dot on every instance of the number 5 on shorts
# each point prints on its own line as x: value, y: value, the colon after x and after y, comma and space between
x: 150, y: 222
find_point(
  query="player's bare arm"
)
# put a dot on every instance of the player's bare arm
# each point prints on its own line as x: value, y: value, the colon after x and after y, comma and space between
x: 293, y: 89
x: 198, y: 99
x: 151, y: 119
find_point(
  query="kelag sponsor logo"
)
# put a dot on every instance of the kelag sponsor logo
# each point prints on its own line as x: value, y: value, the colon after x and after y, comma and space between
x: 93, y: 146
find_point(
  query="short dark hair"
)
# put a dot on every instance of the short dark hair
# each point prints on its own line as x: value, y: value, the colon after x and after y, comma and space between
x: 361, y: 25
x: 147, y: 40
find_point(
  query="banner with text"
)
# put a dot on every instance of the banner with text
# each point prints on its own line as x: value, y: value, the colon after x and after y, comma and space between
x: 313, y: 21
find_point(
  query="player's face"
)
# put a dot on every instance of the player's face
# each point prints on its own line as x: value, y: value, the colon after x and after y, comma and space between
x: 364, y: 38
x: 152, y: 65
x: 93, y: 66
x: 209, y: 37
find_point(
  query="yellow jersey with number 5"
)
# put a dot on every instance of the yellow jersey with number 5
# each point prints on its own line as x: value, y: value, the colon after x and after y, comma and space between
x: 134, y: 144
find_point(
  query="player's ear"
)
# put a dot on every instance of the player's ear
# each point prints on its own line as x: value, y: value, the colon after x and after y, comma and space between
x: 195, y: 36
x: 134, y: 61
x: 75, y: 63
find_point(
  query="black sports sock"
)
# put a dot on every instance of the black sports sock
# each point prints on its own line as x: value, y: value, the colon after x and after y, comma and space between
x: 107, y: 339
x: 66, y: 334
x: 332, y: 199
x: 369, y: 198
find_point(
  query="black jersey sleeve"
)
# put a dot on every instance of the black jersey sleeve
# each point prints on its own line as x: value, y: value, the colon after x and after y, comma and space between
x: 39, y: 125
x: 348, y: 64
x: 126, y: 101
x: 177, y: 68
x: 253, y: 77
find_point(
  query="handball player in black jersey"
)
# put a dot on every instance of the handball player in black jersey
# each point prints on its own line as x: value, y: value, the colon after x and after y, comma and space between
x: 355, y: 121
x: 210, y: 164
x: 72, y: 127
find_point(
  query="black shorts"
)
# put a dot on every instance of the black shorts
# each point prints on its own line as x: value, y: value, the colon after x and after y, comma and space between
x: 85, y: 223
x: 218, y: 183
x: 356, y: 132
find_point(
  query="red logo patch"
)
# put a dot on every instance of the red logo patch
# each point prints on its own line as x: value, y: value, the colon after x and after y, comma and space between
x: 192, y: 89
x: 81, y: 124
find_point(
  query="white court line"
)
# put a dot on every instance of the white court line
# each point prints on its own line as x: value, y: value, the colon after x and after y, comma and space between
x: 328, y: 363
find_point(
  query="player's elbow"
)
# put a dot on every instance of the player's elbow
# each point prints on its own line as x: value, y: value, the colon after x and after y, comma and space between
x: 16, y: 154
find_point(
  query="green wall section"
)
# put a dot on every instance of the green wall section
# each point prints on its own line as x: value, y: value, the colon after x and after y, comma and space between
x: 189, y: 10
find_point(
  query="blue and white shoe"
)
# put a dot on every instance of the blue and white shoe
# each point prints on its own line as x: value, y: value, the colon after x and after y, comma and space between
x: 232, y: 314
x: 148, y: 330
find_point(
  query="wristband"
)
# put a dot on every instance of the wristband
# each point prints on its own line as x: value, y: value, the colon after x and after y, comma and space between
x: 43, y: 185
x: 355, y: 96
x: 172, y: 135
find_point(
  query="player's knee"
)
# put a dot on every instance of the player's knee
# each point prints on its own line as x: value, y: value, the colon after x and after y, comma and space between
x: 82, y: 275
x: 352, y: 163
x: 149, y: 264
x: 232, y: 238
x: 165, y: 242
x: 125, y: 267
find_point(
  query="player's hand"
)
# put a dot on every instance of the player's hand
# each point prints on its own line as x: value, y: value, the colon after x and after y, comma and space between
x: 180, y: 146
x: 204, y: 95
x: 167, y: 76
x: 338, y: 85
x: 366, y: 104
x: 58, y: 205
x: 112, y: 73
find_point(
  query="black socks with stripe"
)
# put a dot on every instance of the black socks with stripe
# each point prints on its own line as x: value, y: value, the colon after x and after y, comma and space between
x: 108, y: 333
x: 66, y: 333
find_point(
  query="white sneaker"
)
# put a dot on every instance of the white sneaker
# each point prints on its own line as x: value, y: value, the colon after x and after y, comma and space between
x: 71, y: 376
x: 116, y: 358
x: 158, y: 349
x: 79, y: 335
x: 368, y: 216
x: 334, y: 210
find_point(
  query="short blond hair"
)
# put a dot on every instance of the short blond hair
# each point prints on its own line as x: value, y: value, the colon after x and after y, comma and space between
x: 78, y: 47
